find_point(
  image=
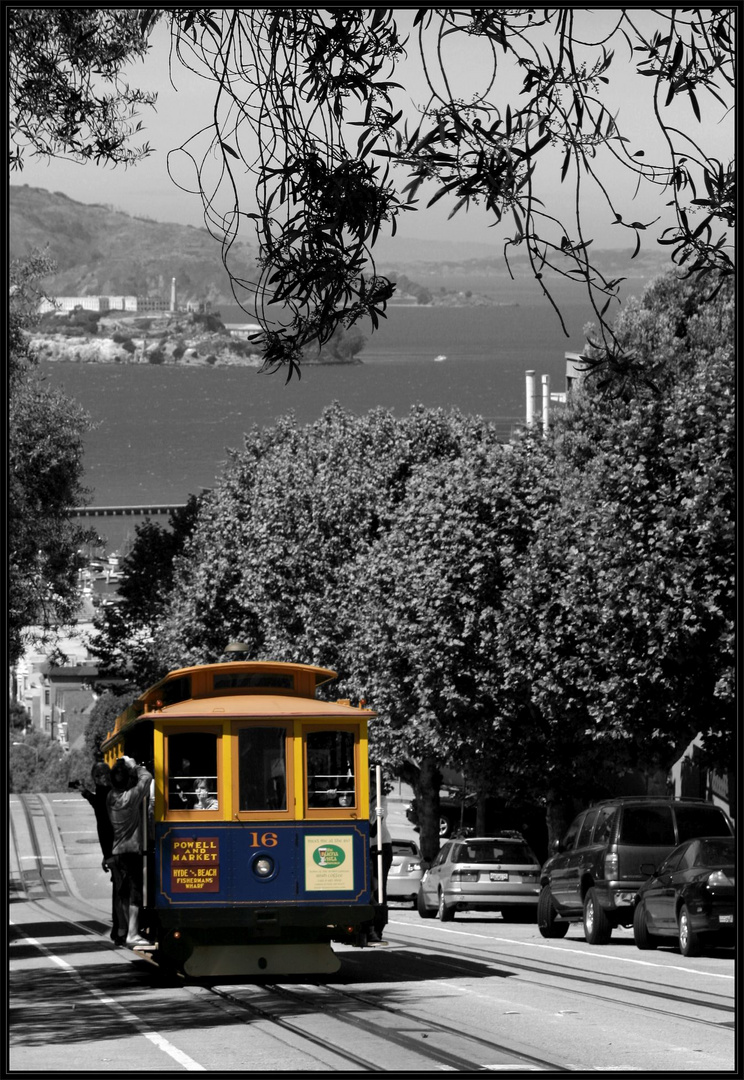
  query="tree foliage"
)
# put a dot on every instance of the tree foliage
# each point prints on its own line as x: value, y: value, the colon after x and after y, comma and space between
x: 314, y: 146
x: 618, y: 635
x: 546, y: 615
x: 103, y: 714
x: 45, y: 470
x: 67, y: 93
x: 307, y: 102
x: 124, y: 632
x: 37, y: 763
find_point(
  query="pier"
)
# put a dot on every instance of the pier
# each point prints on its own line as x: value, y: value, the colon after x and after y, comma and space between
x: 155, y: 510
x: 116, y: 525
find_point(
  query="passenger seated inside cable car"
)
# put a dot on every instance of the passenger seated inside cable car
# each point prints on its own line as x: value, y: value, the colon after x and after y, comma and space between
x: 191, y: 756
x: 330, y: 768
x: 206, y: 799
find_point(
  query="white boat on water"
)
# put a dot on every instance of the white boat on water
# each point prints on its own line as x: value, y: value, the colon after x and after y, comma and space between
x: 438, y: 359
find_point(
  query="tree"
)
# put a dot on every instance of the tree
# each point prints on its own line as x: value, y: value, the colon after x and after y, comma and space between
x: 124, y: 632
x: 38, y: 763
x: 618, y: 630
x: 422, y: 612
x: 45, y: 458
x: 325, y: 544
x: 102, y: 717
x: 306, y: 104
x: 18, y: 717
x: 314, y: 90
x: 58, y: 59
x: 298, y: 504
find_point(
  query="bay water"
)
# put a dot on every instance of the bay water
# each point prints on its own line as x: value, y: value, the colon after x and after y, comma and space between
x: 161, y: 432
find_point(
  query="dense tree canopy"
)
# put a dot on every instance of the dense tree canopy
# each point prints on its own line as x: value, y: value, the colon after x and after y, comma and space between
x: 545, y: 615
x: 618, y: 637
x: 315, y: 147
x: 45, y: 470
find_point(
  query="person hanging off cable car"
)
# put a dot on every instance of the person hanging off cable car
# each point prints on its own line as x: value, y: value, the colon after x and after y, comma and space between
x: 379, y: 841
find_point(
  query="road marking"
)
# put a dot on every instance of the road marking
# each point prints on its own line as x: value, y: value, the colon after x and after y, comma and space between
x: 117, y: 1007
x: 577, y: 952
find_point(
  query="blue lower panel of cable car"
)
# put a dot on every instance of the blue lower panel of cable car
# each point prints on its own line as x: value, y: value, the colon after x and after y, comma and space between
x: 237, y: 863
x: 238, y: 897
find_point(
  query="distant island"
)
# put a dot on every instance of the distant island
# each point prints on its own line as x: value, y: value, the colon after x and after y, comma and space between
x: 100, y: 251
x: 194, y: 339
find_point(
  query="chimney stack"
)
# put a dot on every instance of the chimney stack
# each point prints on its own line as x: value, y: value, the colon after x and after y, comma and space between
x: 530, y: 390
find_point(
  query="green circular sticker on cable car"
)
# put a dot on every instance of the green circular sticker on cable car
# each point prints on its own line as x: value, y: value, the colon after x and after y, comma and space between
x: 329, y: 856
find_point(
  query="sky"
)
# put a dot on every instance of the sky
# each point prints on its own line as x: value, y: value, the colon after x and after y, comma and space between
x: 185, y: 104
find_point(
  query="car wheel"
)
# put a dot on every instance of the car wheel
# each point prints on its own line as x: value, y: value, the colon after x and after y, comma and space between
x: 643, y: 939
x: 444, y: 826
x: 424, y: 911
x: 597, y: 927
x: 445, y: 913
x: 689, y: 942
x: 547, y: 916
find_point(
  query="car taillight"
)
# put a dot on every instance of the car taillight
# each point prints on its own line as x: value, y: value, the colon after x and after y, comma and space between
x: 611, y: 865
x: 464, y: 875
x: 414, y: 866
x: 718, y: 878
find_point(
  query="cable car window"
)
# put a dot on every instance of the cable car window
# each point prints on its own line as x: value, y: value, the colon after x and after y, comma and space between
x: 192, y: 756
x: 236, y: 679
x: 330, y: 768
x: 176, y: 690
x: 262, y: 768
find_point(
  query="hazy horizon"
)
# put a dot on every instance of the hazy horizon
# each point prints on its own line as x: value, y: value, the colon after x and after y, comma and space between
x: 183, y: 109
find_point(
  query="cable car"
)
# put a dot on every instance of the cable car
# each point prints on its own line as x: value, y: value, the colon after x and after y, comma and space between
x: 258, y: 824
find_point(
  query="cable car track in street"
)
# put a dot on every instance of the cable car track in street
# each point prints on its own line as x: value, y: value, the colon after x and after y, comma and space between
x: 332, y: 1009
x: 425, y: 1028
x: 605, y: 983
x: 40, y: 878
x: 46, y: 888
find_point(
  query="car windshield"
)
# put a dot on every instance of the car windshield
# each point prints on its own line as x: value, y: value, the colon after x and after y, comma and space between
x: 404, y: 847
x: 495, y: 851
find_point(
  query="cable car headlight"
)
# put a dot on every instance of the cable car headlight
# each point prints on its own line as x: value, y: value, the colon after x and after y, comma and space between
x: 263, y: 866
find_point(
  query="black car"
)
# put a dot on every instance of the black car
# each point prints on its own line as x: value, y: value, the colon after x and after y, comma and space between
x: 457, y: 812
x: 690, y: 898
x: 607, y: 854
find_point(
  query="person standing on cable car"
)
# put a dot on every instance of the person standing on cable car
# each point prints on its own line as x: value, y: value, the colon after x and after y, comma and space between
x: 379, y: 840
x: 130, y: 786
x: 98, y: 799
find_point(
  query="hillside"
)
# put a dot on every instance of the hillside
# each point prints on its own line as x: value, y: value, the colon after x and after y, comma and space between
x: 101, y: 251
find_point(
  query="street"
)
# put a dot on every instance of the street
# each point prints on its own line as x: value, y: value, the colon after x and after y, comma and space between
x: 476, y: 993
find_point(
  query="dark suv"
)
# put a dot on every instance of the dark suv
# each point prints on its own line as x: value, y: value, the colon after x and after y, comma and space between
x: 595, y: 872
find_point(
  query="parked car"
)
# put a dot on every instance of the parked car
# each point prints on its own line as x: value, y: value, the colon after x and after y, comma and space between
x: 690, y: 898
x: 597, y: 870
x: 457, y: 817
x: 457, y: 812
x: 406, y: 871
x: 498, y: 873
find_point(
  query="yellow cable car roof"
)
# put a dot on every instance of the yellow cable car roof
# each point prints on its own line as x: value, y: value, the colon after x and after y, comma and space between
x: 265, y: 706
x: 322, y: 675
